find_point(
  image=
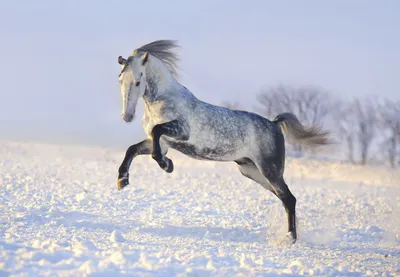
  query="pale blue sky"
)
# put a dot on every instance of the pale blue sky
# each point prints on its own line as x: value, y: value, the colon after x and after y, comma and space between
x: 59, y: 58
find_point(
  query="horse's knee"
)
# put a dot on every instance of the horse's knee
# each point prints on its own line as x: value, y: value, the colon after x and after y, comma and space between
x: 132, y: 150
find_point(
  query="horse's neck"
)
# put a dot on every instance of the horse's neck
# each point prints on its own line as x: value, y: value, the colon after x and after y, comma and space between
x: 159, y: 80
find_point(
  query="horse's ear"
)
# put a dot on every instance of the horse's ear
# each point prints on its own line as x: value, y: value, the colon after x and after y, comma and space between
x: 145, y: 58
x: 121, y: 60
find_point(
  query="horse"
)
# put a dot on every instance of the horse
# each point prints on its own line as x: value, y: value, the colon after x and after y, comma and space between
x: 175, y: 118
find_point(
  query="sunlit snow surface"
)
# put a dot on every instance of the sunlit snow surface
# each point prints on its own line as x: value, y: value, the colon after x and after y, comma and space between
x: 62, y: 215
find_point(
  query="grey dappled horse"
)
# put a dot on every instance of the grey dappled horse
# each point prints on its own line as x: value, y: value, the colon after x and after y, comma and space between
x: 175, y: 118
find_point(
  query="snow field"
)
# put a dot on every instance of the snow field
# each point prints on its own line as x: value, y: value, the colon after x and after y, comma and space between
x: 62, y: 215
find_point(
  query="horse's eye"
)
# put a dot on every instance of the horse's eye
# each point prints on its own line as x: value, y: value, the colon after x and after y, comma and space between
x: 141, y: 74
x: 138, y: 83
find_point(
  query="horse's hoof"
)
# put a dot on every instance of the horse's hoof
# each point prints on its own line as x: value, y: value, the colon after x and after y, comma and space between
x: 290, y: 238
x: 170, y: 167
x: 123, y: 182
x: 166, y: 164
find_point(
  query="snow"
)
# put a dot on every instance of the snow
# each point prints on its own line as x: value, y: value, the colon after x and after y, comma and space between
x: 62, y: 215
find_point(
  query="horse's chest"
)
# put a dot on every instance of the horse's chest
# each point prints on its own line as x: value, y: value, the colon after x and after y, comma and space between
x: 148, y: 123
x: 152, y: 116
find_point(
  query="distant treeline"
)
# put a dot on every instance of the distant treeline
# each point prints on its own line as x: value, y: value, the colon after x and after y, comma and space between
x: 365, y: 129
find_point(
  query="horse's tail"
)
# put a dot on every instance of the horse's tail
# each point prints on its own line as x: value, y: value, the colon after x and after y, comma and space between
x: 297, y: 133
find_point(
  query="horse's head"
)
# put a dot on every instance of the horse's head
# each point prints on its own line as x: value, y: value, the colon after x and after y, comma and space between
x: 132, y: 80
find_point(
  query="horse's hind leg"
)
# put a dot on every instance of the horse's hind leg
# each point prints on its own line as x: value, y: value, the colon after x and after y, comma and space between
x: 272, y: 170
x: 268, y: 176
x: 289, y: 201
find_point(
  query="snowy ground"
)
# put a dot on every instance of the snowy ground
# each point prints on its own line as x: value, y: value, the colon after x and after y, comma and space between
x: 62, y: 215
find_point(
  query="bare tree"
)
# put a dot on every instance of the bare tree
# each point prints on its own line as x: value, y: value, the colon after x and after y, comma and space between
x: 345, y: 121
x: 390, y: 121
x: 365, y: 125
x: 266, y: 104
x: 309, y: 103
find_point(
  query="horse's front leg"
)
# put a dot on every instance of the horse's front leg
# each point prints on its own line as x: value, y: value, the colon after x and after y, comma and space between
x: 175, y: 129
x: 141, y: 148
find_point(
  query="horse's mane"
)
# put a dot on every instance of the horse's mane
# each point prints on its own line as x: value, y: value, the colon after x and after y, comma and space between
x: 162, y: 49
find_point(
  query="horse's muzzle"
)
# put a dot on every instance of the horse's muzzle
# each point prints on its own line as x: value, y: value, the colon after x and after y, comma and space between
x: 128, y: 117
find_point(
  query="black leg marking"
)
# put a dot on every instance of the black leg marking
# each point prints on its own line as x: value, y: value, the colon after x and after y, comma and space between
x: 141, y: 148
x: 273, y: 173
x: 174, y: 129
x: 289, y: 202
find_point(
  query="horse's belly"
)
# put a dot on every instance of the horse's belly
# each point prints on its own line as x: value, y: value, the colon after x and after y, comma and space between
x: 205, y: 152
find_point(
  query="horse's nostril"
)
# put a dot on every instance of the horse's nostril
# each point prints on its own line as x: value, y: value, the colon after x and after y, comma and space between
x: 127, y: 118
